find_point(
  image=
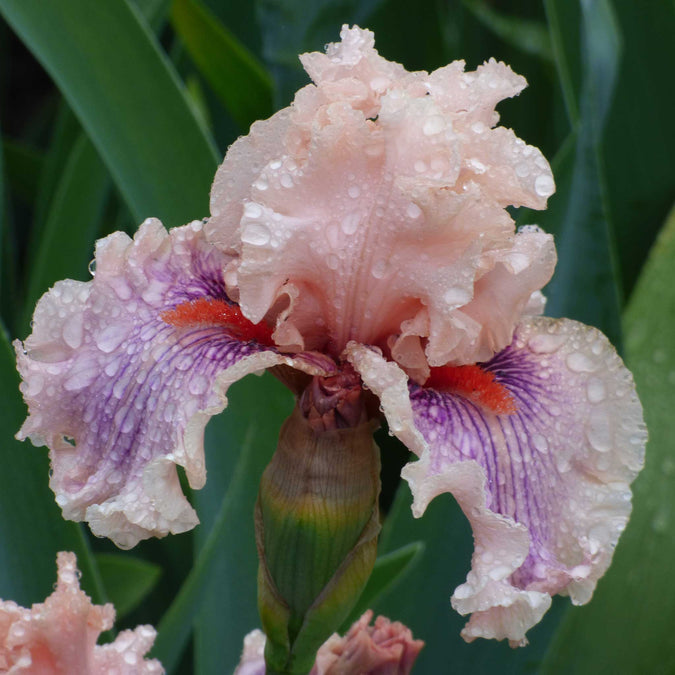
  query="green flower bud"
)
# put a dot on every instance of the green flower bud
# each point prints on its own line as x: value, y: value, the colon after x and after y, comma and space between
x: 317, y: 523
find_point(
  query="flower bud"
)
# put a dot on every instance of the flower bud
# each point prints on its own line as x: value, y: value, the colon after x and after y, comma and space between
x: 317, y: 522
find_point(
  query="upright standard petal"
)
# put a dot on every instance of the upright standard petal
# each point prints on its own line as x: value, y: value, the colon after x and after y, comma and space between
x: 122, y: 373
x: 58, y: 637
x: 539, y: 446
x: 373, y: 210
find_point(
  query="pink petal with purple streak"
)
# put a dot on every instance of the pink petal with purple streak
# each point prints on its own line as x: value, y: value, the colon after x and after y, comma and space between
x: 121, y: 396
x: 546, y: 489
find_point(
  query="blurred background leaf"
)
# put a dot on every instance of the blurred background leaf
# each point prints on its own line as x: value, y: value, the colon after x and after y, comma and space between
x: 127, y: 97
x: 628, y: 626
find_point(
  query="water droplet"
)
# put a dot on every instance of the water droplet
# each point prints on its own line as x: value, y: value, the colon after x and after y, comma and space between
x: 599, y: 433
x: 546, y: 344
x: 413, y: 211
x: 73, y: 331
x: 332, y: 261
x: 261, y: 184
x: 110, y: 338
x: 456, y: 296
x: 543, y: 185
x: 92, y: 267
x: 354, y: 191
x: 477, y: 166
x: 581, y: 363
x: 433, y: 125
x: 540, y: 443
x: 252, y: 210
x: 420, y: 166
x: 522, y: 169
x: 596, y: 390
x: 478, y: 128
x: 379, y: 268
x: 198, y: 384
x: 286, y: 180
x: 350, y: 223
x: 255, y: 234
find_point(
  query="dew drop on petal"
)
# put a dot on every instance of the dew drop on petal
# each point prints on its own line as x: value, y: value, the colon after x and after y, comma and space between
x: 540, y: 443
x: 596, y: 390
x: 546, y: 344
x: 599, y: 432
x: 413, y: 211
x: 580, y: 363
x: 543, y: 185
x: 255, y: 234
x: 350, y: 223
x: 110, y: 338
x: 354, y: 191
x: 433, y: 125
x: 379, y: 268
x: 252, y: 210
x: 198, y: 384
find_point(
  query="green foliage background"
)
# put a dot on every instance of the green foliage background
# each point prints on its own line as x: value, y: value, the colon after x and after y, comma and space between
x: 139, y: 102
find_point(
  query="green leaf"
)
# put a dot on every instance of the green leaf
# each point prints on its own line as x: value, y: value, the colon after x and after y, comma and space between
x: 390, y: 570
x: 638, y: 150
x: 239, y: 80
x: 586, y: 285
x: 127, y: 580
x: 108, y: 65
x: 67, y: 242
x: 23, y: 164
x: 219, y: 595
x: 247, y: 431
x: 628, y: 625
x: 32, y: 530
x: 525, y: 34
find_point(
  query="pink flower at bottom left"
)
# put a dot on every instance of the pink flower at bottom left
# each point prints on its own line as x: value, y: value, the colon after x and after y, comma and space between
x: 58, y: 636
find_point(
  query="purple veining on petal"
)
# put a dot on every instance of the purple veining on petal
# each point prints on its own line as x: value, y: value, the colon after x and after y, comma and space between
x: 124, y: 395
x: 548, y: 466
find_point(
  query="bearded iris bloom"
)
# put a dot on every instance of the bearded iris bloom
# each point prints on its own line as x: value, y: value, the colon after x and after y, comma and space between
x: 358, y: 241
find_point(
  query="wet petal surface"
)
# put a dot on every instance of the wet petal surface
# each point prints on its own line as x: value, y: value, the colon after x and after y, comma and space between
x: 374, y: 210
x: 58, y: 637
x: 546, y: 488
x: 122, y: 373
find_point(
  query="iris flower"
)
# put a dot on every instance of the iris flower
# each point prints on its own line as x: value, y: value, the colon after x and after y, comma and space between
x: 58, y: 636
x: 358, y: 238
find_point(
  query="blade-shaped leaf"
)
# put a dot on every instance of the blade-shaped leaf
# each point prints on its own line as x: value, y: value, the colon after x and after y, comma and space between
x: 390, y: 569
x: 241, y: 83
x: 589, y: 292
x: 67, y: 241
x: 127, y: 580
x: 530, y: 36
x: 628, y: 625
x: 105, y: 60
x: 638, y: 149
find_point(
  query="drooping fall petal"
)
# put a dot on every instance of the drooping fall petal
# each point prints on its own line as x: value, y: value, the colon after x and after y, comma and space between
x: 545, y: 486
x: 122, y: 373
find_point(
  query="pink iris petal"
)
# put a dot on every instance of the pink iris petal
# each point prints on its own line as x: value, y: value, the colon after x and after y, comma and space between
x: 546, y: 489
x: 58, y: 637
x: 120, y: 394
x: 373, y: 210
